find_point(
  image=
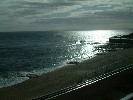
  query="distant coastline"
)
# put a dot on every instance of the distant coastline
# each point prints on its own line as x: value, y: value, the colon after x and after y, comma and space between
x: 122, y: 39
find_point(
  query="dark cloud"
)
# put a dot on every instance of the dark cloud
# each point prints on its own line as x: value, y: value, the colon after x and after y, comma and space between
x: 33, y: 8
x: 65, y: 13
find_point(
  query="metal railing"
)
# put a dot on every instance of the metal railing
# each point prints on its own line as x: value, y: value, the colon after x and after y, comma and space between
x: 90, y: 78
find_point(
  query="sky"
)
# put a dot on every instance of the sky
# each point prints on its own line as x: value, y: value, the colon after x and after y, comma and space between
x: 45, y: 15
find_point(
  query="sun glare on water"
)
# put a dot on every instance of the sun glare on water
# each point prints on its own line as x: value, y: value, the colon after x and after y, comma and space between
x: 92, y: 39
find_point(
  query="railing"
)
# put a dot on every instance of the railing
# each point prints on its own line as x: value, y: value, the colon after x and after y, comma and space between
x: 92, y: 77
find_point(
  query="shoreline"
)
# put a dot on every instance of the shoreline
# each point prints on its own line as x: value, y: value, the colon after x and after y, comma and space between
x: 62, y: 77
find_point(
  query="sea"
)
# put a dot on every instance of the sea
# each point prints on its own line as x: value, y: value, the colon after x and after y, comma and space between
x: 27, y: 52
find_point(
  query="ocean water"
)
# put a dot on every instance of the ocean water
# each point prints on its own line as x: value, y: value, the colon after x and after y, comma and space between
x: 23, y: 53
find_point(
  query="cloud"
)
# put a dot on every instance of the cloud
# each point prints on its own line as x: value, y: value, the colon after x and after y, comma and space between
x: 66, y: 14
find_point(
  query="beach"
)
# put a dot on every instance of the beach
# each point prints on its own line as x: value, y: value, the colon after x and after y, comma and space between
x: 116, y: 87
x: 65, y: 76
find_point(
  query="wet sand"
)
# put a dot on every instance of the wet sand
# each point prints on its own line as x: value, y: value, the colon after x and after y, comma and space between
x: 63, y: 77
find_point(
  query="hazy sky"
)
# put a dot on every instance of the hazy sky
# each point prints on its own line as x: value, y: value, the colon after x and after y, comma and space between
x: 40, y: 15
